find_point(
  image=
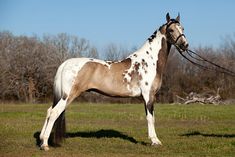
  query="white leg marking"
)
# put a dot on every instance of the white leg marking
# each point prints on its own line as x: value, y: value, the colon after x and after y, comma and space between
x: 45, y: 123
x: 54, y: 114
x: 151, y: 129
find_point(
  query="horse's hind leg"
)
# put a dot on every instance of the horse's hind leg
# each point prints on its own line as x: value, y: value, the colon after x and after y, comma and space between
x: 45, y: 123
x: 53, y: 115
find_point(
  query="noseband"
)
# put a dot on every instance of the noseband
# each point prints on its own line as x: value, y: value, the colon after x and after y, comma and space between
x: 167, y: 27
x: 181, y: 35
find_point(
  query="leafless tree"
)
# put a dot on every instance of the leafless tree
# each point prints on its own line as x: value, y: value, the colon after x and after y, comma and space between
x: 92, y: 53
x: 28, y: 66
x: 114, y: 52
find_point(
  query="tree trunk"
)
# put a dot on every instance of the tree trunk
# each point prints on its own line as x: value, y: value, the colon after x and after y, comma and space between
x: 31, y: 91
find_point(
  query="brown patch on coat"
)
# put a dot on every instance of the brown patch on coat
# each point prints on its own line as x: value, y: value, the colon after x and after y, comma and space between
x: 134, y: 73
x: 162, y: 57
x: 144, y: 63
x: 140, y: 77
x: 136, y: 66
x: 95, y: 75
x: 125, y: 80
x: 161, y: 64
x: 162, y: 29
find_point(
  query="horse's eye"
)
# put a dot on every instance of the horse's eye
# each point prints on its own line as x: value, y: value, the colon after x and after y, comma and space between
x: 171, y: 30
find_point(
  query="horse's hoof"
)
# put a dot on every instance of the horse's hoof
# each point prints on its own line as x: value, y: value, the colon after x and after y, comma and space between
x: 45, y: 148
x: 156, y: 144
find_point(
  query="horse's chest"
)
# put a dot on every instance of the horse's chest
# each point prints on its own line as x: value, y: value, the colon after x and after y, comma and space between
x: 139, y: 76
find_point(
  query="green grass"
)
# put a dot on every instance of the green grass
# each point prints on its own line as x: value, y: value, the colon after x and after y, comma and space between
x: 121, y: 130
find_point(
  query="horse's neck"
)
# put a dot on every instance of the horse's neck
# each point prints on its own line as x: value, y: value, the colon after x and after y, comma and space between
x: 157, y: 48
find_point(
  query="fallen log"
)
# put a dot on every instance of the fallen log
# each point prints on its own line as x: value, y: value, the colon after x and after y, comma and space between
x: 201, y: 98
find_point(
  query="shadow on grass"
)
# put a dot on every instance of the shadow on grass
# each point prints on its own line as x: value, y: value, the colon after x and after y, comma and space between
x: 197, y: 133
x: 105, y: 134
x: 36, y: 136
x: 93, y: 134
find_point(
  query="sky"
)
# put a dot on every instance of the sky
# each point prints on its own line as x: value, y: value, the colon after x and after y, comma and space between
x: 123, y: 22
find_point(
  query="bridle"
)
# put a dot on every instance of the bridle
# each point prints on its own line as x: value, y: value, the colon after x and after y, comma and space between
x: 181, y: 35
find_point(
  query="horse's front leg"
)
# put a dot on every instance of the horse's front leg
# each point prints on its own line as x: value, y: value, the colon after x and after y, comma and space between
x: 149, y: 108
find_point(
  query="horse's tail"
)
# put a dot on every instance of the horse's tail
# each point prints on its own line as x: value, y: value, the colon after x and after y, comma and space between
x: 59, y: 128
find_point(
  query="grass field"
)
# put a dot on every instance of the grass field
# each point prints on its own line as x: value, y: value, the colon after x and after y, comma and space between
x: 121, y: 130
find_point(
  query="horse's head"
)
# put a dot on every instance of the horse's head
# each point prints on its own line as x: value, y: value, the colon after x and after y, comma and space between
x: 175, y: 33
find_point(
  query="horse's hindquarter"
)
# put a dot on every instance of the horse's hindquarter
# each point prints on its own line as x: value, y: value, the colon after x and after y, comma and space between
x: 66, y: 76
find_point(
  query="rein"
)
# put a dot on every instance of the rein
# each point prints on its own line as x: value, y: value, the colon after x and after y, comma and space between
x: 199, y: 58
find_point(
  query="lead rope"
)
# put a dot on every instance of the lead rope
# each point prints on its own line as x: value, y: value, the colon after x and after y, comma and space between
x: 219, y: 68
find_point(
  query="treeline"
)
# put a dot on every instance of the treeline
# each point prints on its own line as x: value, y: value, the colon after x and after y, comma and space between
x: 28, y: 66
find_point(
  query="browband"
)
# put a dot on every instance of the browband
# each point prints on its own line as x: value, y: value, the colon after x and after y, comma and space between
x: 172, y: 21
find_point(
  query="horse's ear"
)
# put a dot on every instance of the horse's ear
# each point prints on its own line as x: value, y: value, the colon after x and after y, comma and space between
x: 178, y: 17
x: 168, y: 18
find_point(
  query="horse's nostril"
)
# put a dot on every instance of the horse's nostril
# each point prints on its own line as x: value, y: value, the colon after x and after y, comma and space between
x: 186, y: 45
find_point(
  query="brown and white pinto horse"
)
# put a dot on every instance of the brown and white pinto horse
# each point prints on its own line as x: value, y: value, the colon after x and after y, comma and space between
x: 140, y: 74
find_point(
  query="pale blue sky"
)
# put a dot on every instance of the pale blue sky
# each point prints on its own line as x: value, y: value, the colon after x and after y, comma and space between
x: 125, y: 22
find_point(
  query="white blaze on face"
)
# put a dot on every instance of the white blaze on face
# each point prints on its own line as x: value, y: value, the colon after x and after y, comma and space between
x: 181, y: 31
x: 179, y: 28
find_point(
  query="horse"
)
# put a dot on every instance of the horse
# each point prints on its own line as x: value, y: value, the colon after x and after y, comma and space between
x: 140, y: 74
